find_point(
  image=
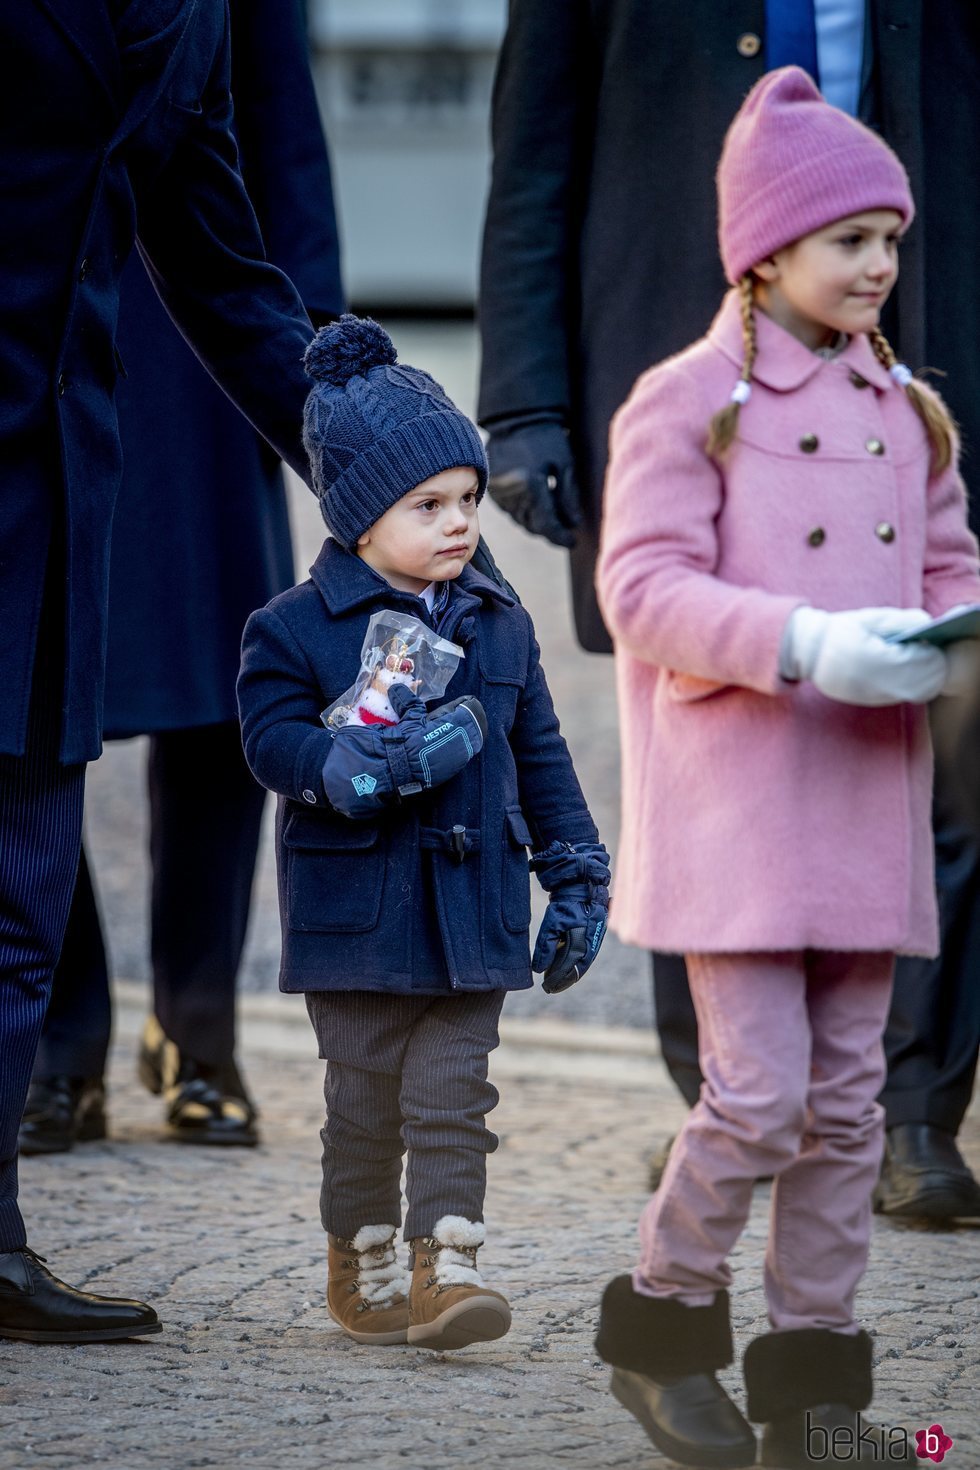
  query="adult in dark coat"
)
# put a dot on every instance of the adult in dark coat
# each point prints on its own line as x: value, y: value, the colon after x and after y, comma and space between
x: 200, y: 538
x: 116, y: 119
x: 599, y: 260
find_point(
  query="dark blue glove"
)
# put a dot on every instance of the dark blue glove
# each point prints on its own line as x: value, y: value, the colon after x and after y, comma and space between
x: 532, y: 475
x: 574, y: 924
x: 371, y: 767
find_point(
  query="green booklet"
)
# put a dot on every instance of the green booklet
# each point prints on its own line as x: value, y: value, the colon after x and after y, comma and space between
x: 962, y: 622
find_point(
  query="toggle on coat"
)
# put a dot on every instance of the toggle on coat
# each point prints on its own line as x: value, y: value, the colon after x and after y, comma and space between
x: 406, y: 904
x: 758, y: 814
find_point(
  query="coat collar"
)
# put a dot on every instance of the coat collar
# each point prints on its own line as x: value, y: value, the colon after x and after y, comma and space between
x: 151, y: 33
x: 345, y: 582
x: 89, y: 31
x: 132, y: 59
x: 782, y: 362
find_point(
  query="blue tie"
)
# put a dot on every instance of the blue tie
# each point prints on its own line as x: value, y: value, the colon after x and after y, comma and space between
x: 791, y: 35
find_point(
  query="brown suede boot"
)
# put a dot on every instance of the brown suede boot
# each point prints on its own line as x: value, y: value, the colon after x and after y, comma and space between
x: 448, y: 1305
x: 367, y: 1290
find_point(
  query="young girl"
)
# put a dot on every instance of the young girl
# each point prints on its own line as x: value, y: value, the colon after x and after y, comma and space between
x: 782, y: 497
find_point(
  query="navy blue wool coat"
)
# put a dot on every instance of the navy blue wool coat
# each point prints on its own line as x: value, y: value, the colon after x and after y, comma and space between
x: 200, y: 535
x: 114, y: 121
x: 386, y: 905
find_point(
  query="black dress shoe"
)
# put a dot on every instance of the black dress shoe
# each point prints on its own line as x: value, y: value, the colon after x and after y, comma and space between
x: 207, y: 1105
x: 692, y: 1419
x: 61, y: 1111
x: 924, y: 1176
x: 833, y: 1434
x: 36, y: 1307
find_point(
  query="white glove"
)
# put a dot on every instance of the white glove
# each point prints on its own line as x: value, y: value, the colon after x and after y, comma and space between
x: 847, y: 657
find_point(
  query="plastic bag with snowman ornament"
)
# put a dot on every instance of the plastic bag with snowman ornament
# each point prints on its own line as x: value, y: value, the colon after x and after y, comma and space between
x: 397, y: 649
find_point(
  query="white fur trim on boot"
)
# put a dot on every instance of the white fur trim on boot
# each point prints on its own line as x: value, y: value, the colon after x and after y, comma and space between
x: 456, y: 1262
x: 455, y: 1230
x: 370, y: 1235
x: 380, y: 1276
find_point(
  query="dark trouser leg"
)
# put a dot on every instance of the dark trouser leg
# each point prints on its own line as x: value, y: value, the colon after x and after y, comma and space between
x: 677, y: 1024
x: 362, y: 1038
x: 78, y: 1023
x: 40, y: 840
x: 206, y: 813
x: 362, y: 1151
x: 414, y: 1063
x: 934, y: 1026
x: 445, y: 1098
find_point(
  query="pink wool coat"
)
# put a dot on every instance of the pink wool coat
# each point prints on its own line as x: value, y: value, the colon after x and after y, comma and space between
x: 757, y: 814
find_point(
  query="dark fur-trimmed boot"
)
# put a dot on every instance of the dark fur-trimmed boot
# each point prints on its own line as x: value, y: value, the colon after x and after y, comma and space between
x: 664, y: 1357
x: 807, y: 1387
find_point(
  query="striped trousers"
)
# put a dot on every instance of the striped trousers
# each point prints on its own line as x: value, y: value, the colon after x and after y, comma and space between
x: 405, y: 1074
x: 40, y: 840
x: 205, y: 819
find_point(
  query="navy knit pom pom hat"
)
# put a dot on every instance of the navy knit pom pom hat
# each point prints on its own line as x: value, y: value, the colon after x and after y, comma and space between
x: 374, y: 428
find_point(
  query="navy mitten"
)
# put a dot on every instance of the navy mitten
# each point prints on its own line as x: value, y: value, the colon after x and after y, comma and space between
x: 574, y: 926
x: 370, y: 767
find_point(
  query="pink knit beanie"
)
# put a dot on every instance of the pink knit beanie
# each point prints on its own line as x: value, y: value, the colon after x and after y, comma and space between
x: 792, y: 164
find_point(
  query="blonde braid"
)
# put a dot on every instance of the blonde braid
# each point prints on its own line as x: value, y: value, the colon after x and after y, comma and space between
x: 938, y: 423
x: 722, y: 429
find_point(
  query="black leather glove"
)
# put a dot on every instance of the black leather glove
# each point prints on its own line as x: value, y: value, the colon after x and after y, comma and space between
x: 532, y: 476
x: 574, y: 925
x: 371, y: 767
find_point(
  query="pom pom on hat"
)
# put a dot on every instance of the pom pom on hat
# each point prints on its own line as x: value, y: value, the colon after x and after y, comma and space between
x: 347, y: 349
x: 792, y: 164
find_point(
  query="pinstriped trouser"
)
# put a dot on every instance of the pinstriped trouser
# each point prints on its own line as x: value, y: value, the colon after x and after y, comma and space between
x: 405, y: 1073
x: 40, y: 840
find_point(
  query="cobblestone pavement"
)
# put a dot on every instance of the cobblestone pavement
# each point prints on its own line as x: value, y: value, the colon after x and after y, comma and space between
x: 251, y: 1372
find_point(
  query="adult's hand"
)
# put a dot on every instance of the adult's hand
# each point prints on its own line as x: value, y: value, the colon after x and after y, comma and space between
x: 532, y: 476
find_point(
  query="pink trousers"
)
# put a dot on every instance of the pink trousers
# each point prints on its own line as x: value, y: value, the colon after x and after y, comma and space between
x: 791, y: 1054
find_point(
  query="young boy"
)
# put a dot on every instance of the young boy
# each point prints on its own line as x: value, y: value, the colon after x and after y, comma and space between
x: 404, y: 893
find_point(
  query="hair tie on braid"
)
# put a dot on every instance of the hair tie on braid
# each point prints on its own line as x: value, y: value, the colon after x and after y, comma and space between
x: 931, y: 410
x: 722, y: 429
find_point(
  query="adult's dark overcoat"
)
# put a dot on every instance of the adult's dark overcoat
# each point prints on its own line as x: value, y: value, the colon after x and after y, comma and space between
x: 390, y: 905
x: 201, y: 532
x: 599, y: 256
x: 114, y: 120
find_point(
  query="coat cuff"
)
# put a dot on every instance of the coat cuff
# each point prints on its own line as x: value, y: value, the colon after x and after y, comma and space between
x: 308, y: 770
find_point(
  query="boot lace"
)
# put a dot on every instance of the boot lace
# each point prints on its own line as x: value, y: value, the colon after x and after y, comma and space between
x: 455, y: 1265
x: 380, y: 1279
